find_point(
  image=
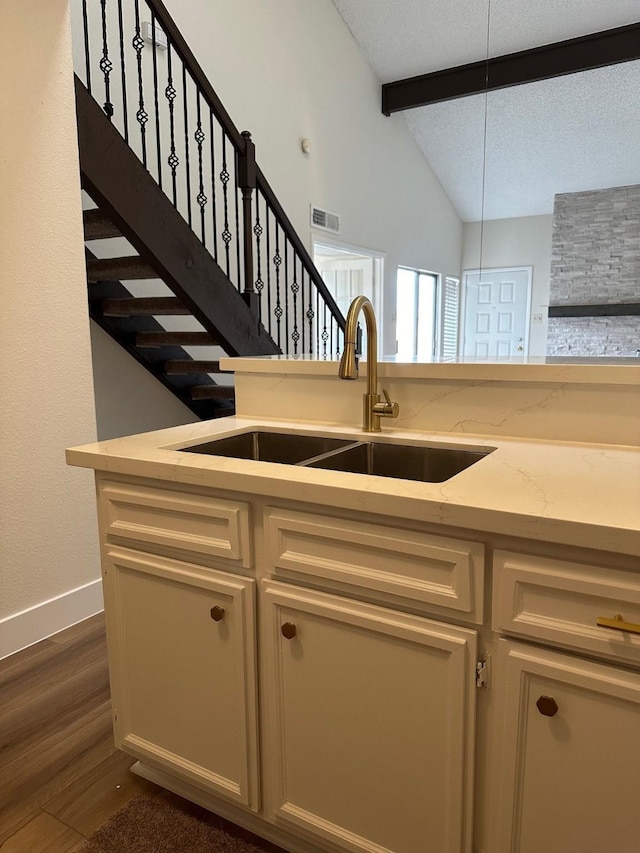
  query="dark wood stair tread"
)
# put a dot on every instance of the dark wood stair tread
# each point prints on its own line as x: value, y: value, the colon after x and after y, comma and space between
x: 155, y: 305
x: 212, y: 392
x: 97, y: 226
x: 119, y: 269
x: 176, y: 339
x: 191, y: 366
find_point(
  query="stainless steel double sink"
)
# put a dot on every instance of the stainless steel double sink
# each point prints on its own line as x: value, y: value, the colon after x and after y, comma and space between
x: 427, y: 463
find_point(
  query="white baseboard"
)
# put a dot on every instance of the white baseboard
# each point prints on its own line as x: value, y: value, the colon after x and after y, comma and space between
x: 41, y: 621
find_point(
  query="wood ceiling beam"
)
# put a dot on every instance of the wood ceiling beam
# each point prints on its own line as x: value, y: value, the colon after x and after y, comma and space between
x: 596, y: 50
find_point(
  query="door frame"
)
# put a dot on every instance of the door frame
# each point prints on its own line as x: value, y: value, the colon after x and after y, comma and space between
x: 378, y: 286
x: 463, y: 301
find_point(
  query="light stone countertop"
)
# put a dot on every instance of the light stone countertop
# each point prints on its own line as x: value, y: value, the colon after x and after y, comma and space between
x: 601, y: 371
x: 586, y: 495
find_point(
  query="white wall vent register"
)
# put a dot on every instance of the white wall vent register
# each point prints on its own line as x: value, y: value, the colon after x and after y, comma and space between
x: 324, y: 220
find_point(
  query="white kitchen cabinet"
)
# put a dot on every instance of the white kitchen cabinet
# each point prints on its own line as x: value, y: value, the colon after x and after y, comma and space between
x: 569, y: 761
x: 369, y: 737
x: 182, y: 664
x: 567, y: 757
x: 370, y: 717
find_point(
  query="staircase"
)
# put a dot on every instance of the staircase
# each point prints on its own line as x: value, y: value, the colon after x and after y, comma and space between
x: 189, y: 253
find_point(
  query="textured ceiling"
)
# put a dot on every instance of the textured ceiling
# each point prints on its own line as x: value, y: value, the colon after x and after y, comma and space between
x: 572, y: 133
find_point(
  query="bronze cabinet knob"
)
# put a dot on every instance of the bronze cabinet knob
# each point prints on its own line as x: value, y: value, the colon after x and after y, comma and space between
x: 217, y: 613
x: 289, y: 630
x: 547, y: 705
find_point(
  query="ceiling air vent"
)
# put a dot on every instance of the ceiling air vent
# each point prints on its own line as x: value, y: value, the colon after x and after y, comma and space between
x: 324, y: 220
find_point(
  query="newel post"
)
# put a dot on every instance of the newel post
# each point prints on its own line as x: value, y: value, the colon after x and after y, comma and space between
x: 247, y: 183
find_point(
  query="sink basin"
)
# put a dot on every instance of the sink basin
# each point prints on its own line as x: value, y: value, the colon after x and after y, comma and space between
x: 287, y: 448
x: 402, y: 461
x: 429, y: 464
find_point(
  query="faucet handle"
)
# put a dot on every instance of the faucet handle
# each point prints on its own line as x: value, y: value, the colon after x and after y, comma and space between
x: 386, y: 409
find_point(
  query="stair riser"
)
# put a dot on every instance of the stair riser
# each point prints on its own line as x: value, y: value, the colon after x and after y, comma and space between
x: 176, y: 339
x: 119, y: 269
x: 150, y: 306
x: 97, y: 226
x: 174, y: 368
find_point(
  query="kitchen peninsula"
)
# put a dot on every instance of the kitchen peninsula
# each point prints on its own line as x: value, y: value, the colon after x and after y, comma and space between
x: 349, y: 662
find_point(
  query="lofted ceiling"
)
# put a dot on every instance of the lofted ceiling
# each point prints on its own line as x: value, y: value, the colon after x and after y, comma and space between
x: 507, y: 153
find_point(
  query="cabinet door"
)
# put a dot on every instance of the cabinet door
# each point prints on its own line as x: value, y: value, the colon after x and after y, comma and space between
x: 182, y: 656
x: 569, y: 773
x: 370, y: 720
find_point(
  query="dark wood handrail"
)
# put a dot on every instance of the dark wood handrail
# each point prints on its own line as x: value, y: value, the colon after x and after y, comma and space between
x: 298, y: 245
x: 200, y: 78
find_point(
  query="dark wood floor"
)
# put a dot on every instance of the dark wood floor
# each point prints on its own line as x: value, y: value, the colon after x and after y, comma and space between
x: 61, y: 777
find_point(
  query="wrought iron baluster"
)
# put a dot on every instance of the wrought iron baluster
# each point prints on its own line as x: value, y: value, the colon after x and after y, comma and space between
x: 268, y: 229
x: 141, y: 116
x: 123, y: 74
x: 277, y: 260
x: 224, y: 177
x: 295, y: 287
x: 170, y: 94
x: 286, y: 293
x: 155, y: 96
x: 87, y: 54
x: 302, y: 307
x: 213, y: 187
x: 257, y: 230
x: 187, y: 164
x: 325, y: 334
x: 201, y: 197
x: 106, y: 66
x: 310, y: 315
x: 330, y: 334
x: 317, y: 352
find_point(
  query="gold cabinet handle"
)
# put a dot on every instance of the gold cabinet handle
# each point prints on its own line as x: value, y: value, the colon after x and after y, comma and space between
x: 618, y: 624
x: 217, y: 613
x: 547, y: 706
x: 289, y: 630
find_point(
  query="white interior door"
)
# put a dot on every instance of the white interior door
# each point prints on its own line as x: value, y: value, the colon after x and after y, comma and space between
x: 496, y: 312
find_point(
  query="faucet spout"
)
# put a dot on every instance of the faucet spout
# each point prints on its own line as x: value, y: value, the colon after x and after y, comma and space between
x: 373, y: 407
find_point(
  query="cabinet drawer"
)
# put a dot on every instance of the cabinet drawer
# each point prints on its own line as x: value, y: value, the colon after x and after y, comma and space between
x: 418, y: 568
x: 143, y: 517
x: 560, y: 602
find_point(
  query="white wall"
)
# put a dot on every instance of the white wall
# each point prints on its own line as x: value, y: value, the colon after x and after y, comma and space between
x: 48, y: 543
x: 524, y: 241
x: 128, y: 398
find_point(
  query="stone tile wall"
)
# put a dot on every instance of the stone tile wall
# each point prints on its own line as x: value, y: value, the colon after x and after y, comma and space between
x: 595, y: 259
x: 593, y: 336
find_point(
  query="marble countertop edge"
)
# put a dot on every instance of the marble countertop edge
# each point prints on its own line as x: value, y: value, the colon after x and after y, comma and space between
x: 575, y: 494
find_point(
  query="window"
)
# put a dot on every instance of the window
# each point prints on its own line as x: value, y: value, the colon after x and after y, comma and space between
x: 449, y: 317
x: 427, y: 315
x: 415, y: 314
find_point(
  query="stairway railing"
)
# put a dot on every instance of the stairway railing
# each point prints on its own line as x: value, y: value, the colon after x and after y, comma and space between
x: 135, y: 62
